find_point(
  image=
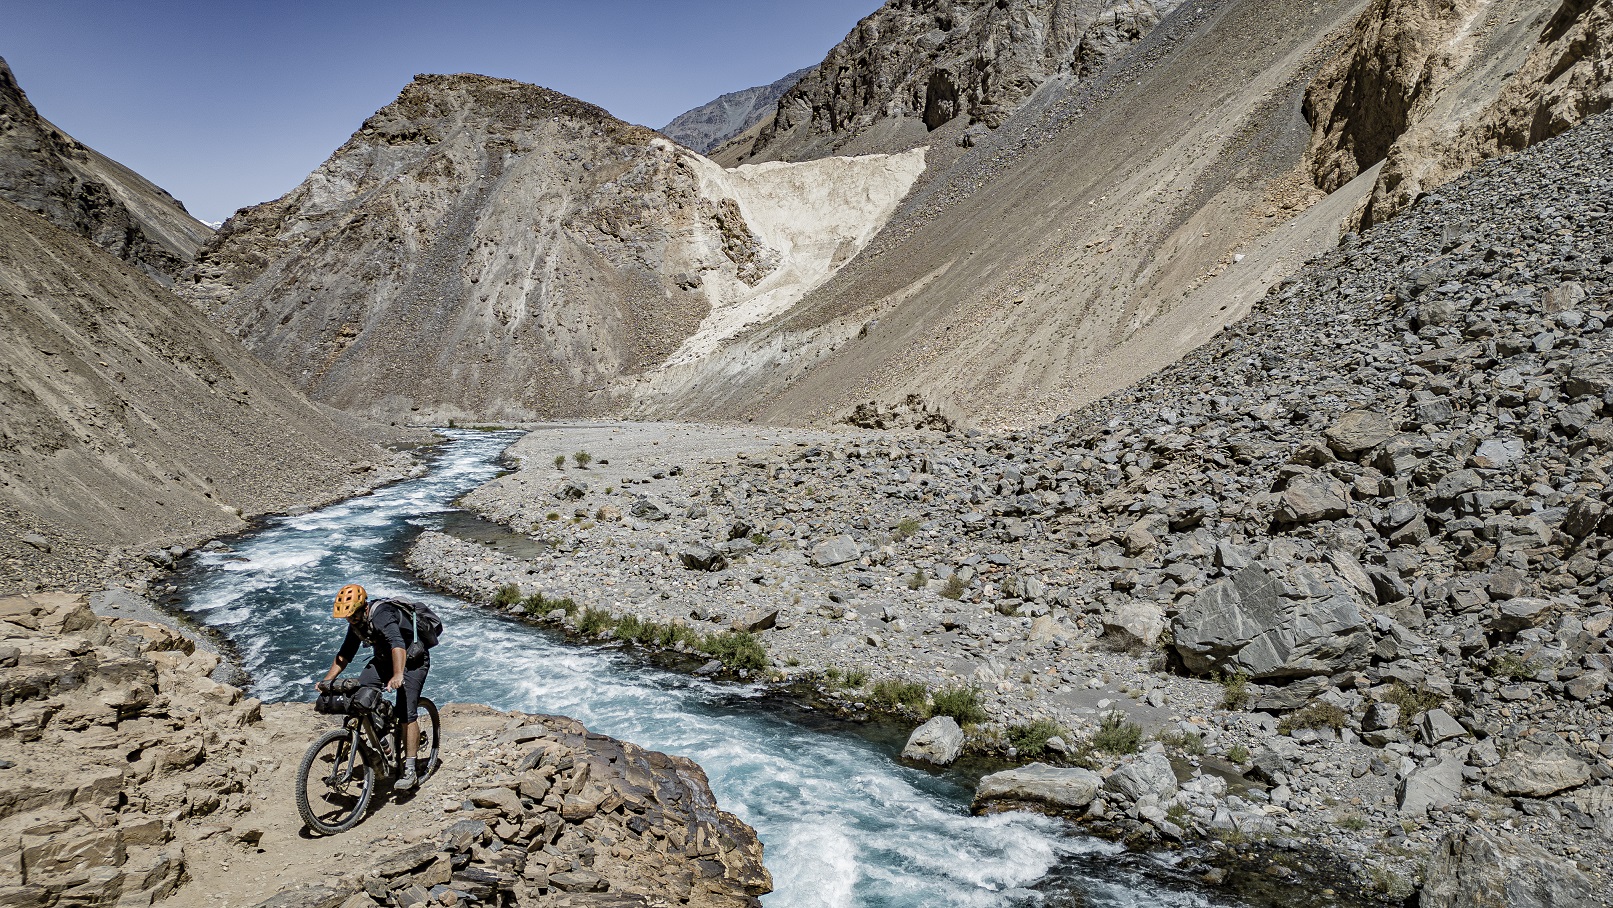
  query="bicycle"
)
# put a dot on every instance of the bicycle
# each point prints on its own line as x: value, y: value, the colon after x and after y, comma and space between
x: 338, y: 773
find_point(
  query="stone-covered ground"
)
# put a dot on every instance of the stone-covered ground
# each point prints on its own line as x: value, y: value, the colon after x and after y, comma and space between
x: 1379, y: 504
x: 128, y: 776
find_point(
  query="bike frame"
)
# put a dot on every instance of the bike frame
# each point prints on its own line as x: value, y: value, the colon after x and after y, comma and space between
x: 367, y: 738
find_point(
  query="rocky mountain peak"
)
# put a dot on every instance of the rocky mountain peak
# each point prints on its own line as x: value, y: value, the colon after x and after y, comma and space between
x: 913, y: 67
x: 48, y: 172
x: 710, y: 125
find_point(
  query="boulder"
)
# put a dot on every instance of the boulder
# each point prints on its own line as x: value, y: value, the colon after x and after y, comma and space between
x: 1270, y: 622
x: 1435, y: 785
x: 572, y: 490
x: 1358, y: 432
x: 1062, y: 789
x: 1473, y: 867
x: 835, y: 550
x: 697, y: 557
x: 1148, y: 774
x: 1135, y: 623
x: 649, y: 509
x: 1313, y: 497
x: 1537, y: 772
x: 937, y: 741
x: 1439, y: 725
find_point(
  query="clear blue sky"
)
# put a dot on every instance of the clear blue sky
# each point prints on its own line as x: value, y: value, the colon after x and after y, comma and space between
x: 229, y: 103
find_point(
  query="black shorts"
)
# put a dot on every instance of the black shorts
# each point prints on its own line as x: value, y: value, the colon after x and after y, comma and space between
x: 414, y: 681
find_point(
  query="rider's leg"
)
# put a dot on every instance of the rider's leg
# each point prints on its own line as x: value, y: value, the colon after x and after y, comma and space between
x: 414, y: 681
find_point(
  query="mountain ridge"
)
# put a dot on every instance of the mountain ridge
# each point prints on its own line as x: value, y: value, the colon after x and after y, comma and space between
x: 708, y: 126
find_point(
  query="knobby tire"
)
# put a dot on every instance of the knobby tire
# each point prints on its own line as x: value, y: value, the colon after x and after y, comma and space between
x: 338, y: 741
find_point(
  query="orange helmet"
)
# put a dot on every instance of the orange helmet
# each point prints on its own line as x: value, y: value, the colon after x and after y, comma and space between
x: 351, y: 598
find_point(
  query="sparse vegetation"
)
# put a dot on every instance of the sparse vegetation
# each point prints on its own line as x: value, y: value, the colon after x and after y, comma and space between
x: 537, y: 605
x: 954, y: 587
x: 891, y: 694
x: 1411, y: 702
x: 593, y: 622
x: 1354, y: 822
x: 736, y: 650
x: 507, y: 595
x: 916, y: 580
x: 1184, y: 741
x: 1235, y: 690
x: 1513, y: 667
x: 1317, y: 715
x: 855, y: 679
x: 758, y: 539
x: 905, y: 528
x: 962, y: 704
x: 1238, y: 754
x: 582, y: 459
x: 560, y: 461
x: 1117, y: 735
x: 1030, y: 738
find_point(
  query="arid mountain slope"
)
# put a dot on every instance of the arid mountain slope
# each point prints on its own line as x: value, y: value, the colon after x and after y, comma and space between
x: 916, y: 66
x: 128, y: 420
x: 486, y: 249
x: 80, y: 190
x: 711, y: 124
x: 1432, y: 88
x: 1089, y: 240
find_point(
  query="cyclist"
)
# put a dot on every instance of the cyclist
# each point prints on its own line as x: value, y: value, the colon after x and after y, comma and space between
x: 385, y: 626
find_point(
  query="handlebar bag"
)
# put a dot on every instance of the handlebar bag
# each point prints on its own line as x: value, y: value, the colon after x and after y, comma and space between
x: 333, y: 705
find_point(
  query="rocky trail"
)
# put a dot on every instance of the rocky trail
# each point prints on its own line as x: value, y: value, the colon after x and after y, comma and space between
x: 130, y: 776
x: 1350, y: 557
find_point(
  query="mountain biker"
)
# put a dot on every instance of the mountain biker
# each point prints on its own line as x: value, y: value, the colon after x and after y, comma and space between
x: 386, y: 628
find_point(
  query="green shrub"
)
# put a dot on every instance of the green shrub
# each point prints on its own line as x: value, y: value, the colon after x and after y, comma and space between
x: 737, y: 650
x: 1354, y: 822
x: 905, y: 528
x: 507, y: 595
x: 1238, y: 754
x: 537, y: 605
x: 560, y: 461
x: 629, y: 628
x: 1411, y: 702
x: 1117, y: 735
x: 1316, y: 715
x: 1030, y: 738
x: 954, y: 588
x: 916, y: 580
x: 856, y: 678
x: 758, y: 539
x: 594, y: 621
x: 890, y: 694
x: 962, y: 704
x: 1513, y: 667
x: 1185, y: 741
x: 583, y: 459
x: 832, y: 675
x: 1235, y: 690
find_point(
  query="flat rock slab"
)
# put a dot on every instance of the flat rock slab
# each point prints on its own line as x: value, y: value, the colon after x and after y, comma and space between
x: 1063, y: 789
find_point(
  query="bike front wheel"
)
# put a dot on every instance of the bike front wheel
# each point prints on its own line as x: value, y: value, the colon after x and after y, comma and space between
x: 430, y: 754
x: 334, y: 783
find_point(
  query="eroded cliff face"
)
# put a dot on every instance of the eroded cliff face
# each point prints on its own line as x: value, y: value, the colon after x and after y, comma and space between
x: 915, y: 66
x: 1430, y: 88
x: 82, y: 191
x: 127, y: 420
x: 487, y: 249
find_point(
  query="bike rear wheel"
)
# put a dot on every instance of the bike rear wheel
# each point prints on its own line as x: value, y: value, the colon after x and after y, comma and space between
x: 334, y: 784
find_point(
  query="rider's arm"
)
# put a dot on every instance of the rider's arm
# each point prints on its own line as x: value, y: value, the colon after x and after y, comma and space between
x: 398, y: 657
x: 387, y: 625
x: 350, y: 645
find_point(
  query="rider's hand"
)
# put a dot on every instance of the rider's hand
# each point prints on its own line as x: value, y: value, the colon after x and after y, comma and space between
x: 322, y: 686
x: 395, y: 683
